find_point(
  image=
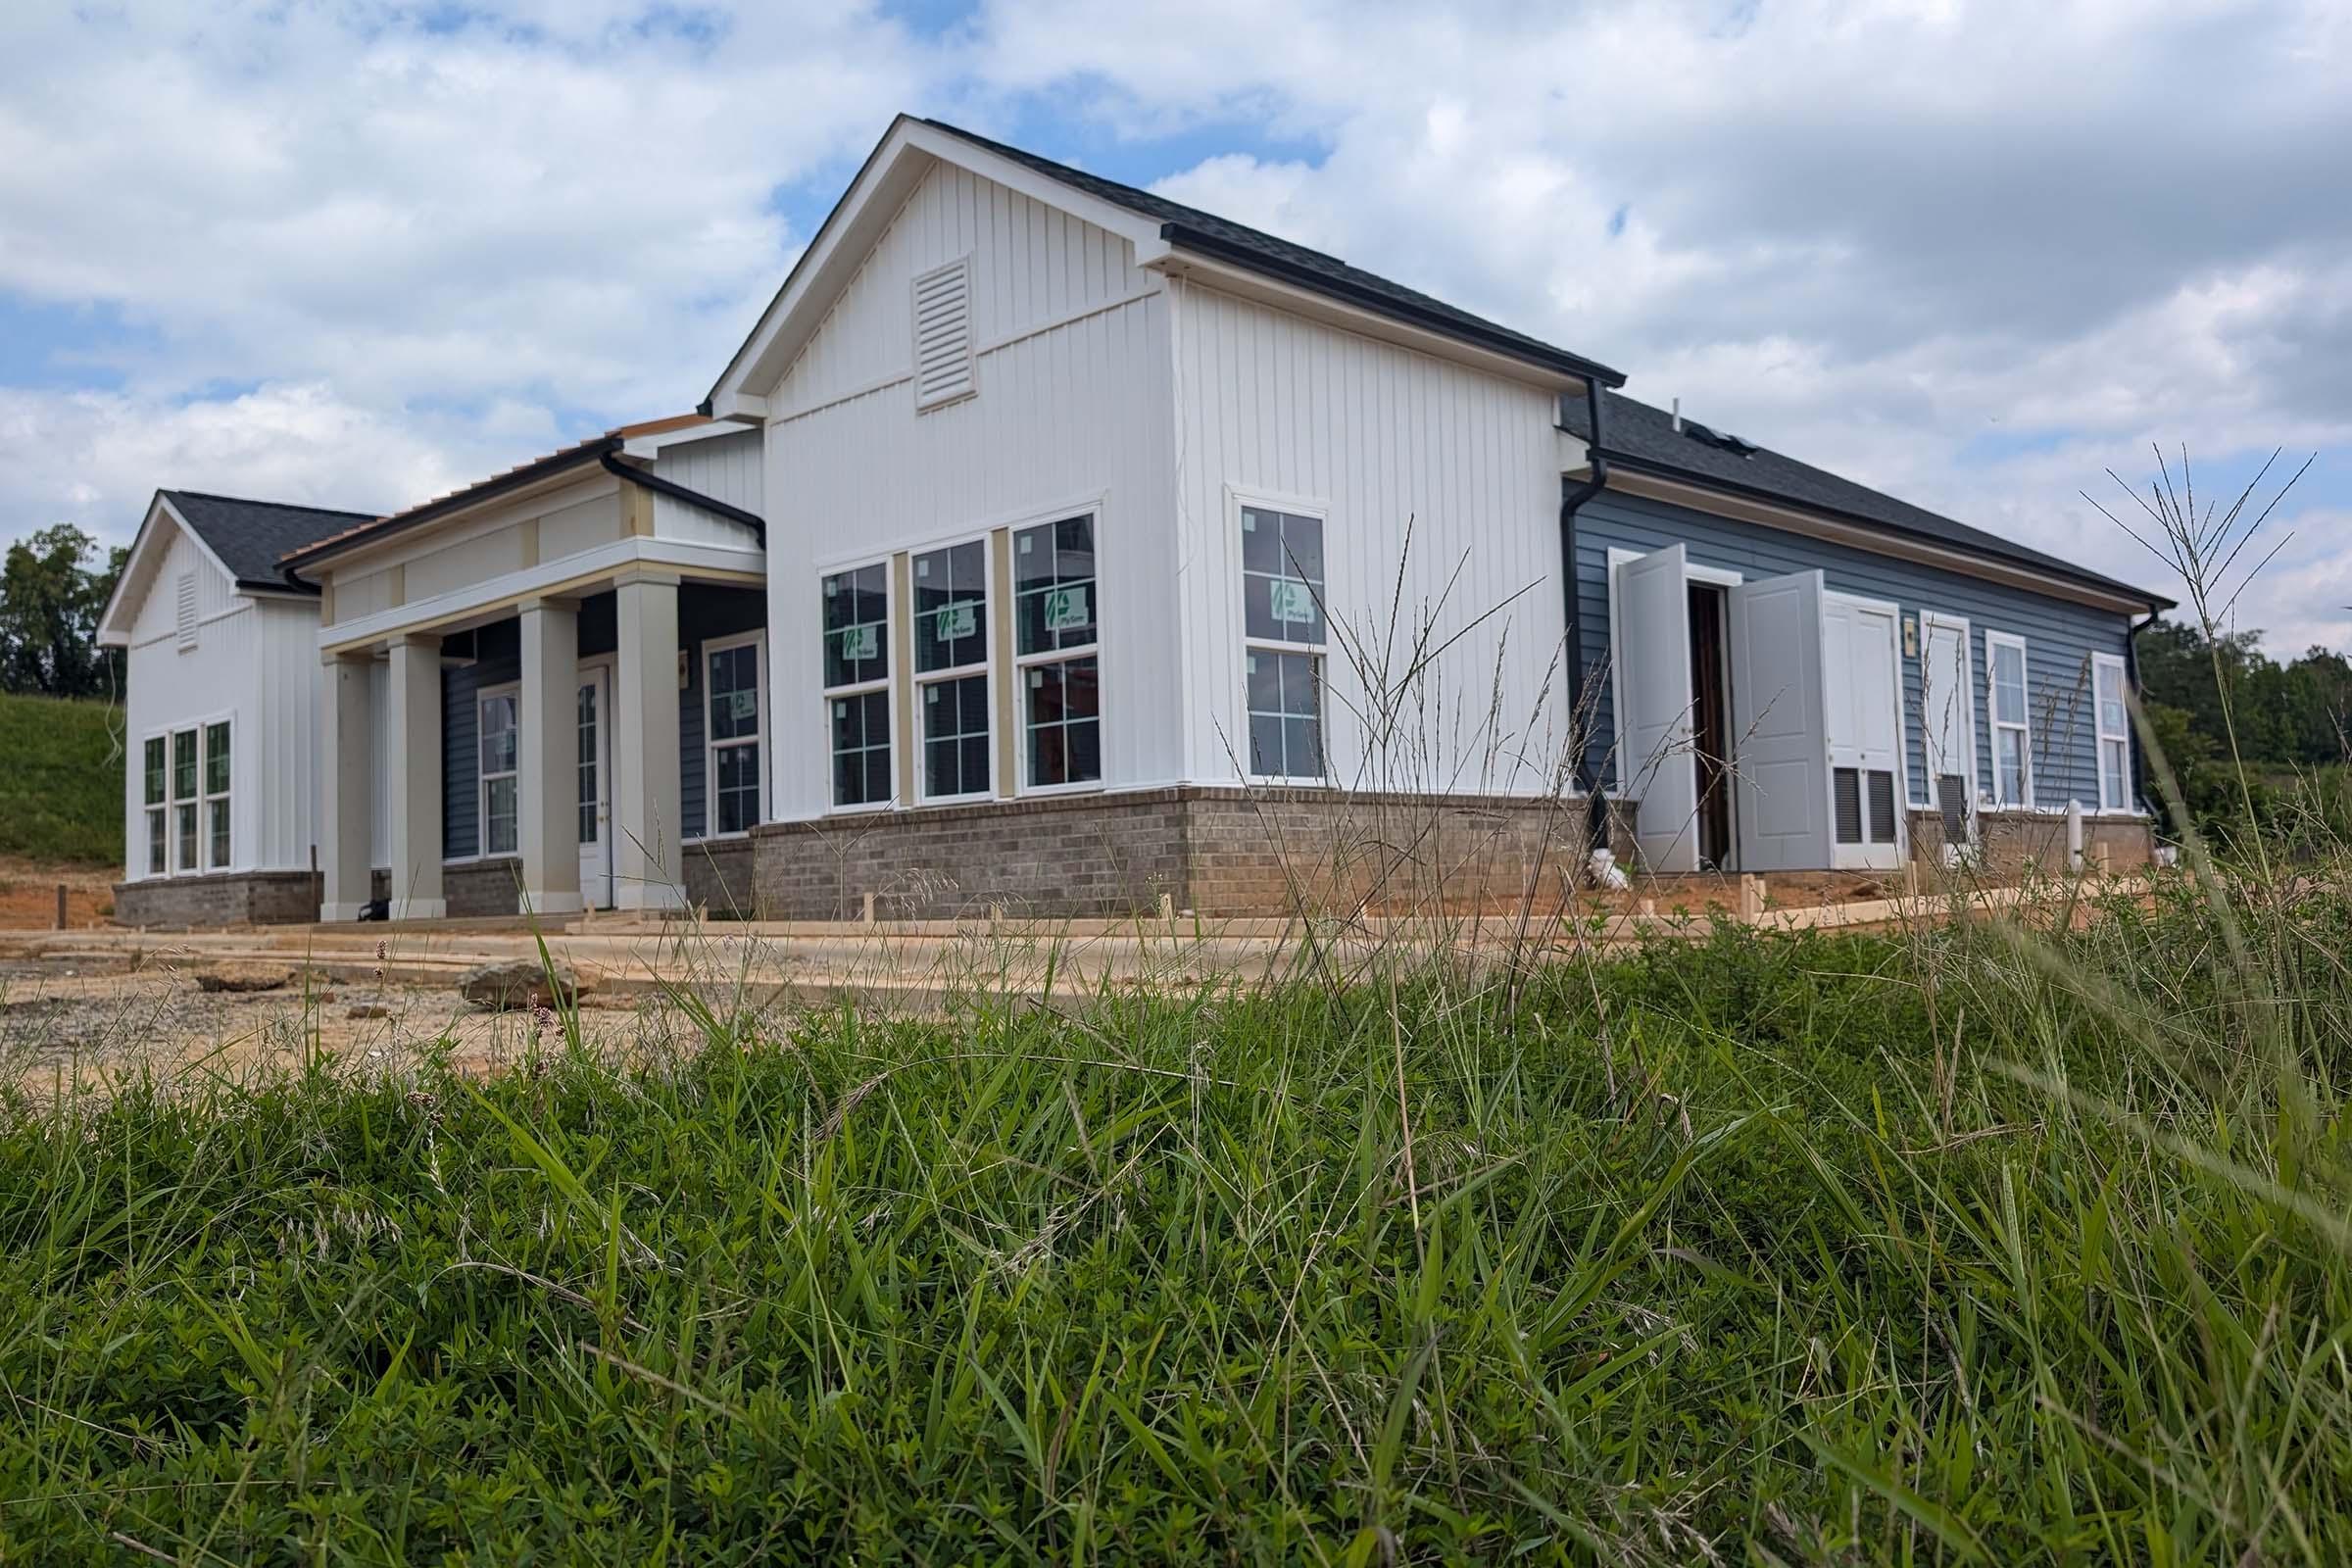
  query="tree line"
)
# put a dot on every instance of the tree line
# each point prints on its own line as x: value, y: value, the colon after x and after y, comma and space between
x: 54, y: 586
x: 2287, y: 718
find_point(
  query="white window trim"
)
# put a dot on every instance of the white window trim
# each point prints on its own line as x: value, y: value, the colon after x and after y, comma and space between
x: 171, y: 835
x: 1619, y: 555
x: 1023, y: 662
x: 1995, y: 723
x: 481, y: 780
x: 206, y: 798
x: 917, y: 678
x: 1237, y: 501
x: 759, y: 737
x: 2101, y: 735
x: 888, y: 684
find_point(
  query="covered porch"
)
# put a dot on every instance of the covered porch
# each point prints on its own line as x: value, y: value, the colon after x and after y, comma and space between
x: 548, y: 697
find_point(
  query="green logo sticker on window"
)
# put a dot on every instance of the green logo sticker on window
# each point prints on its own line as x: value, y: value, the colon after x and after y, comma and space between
x: 1290, y: 600
x: 861, y: 642
x: 1066, y: 610
x: 955, y: 620
x: 743, y: 705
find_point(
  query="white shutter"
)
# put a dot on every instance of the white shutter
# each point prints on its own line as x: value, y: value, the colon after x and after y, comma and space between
x: 187, y: 610
x: 943, y: 335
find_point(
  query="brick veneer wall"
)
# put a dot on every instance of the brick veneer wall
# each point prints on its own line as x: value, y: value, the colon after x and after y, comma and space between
x: 225, y: 897
x: 483, y: 887
x: 718, y: 877
x: 2011, y: 840
x: 1221, y: 852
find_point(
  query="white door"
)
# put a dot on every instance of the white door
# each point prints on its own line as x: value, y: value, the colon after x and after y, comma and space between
x: 1947, y: 719
x: 1651, y: 607
x: 1779, y: 724
x: 596, y: 789
x: 1863, y: 706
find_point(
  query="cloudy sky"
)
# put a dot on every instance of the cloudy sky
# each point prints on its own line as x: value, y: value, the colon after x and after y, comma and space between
x: 357, y: 252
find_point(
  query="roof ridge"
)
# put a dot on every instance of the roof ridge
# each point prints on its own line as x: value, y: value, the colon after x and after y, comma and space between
x: 257, y: 501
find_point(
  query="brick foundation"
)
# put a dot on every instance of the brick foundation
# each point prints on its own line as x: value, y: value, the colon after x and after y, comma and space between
x: 483, y: 887
x: 719, y: 878
x: 225, y: 897
x: 1220, y: 852
x: 2011, y: 840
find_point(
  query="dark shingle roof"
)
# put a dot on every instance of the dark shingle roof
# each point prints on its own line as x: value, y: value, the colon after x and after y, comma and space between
x: 1644, y: 438
x: 1312, y: 269
x: 249, y: 536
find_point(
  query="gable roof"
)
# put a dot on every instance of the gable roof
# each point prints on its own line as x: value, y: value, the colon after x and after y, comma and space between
x: 1157, y: 227
x: 1191, y: 228
x: 1644, y: 439
x: 247, y: 537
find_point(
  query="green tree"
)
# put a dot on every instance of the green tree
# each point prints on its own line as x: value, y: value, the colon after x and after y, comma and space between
x: 50, y: 603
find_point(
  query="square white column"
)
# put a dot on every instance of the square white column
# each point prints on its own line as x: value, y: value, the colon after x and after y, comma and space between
x: 414, y: 774
x: 548, y: 757
x: 347, y: 763
x: 648, y: 861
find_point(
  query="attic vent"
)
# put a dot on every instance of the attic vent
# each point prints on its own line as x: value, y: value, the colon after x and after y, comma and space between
x: 1722, y: 440
x: 943, y: 335
x: 187, y: 610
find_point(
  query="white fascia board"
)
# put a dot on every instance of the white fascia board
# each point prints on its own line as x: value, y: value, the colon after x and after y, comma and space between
x: 649, y: 447
x: 138, y: 571
x: 1876, y: 541
x: 447, y: 612
x: 1227, y: 277
x: 907, y: 150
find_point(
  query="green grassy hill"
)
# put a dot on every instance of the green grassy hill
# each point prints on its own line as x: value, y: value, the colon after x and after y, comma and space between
x: 60, y: 780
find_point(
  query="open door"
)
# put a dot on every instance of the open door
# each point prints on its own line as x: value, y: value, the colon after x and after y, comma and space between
x: 1651, y: 607
x: 1861, y: 671
x: 1779, y: 732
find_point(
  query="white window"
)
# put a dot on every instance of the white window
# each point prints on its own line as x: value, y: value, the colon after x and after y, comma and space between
x: 857, y: 631
x: 944, y: 365
x: 2012, y: 735
x: 733, y: 699
x: 184, y: 792
x: 496, y: 712
x: 1283, y: 623
x: 1057, y: 615
x: 951, y: 672
x: 216, y: 795
x: 156, y: 807
x: 2115, y: 732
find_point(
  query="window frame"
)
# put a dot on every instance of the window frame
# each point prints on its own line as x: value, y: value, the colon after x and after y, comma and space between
x: 200, y: 799
x: 483, y: 696
x: 1317, y: 511
x: 2102, y: 737
x: 155, y: 815
x: 1023, y: 662
x: 756, y: 640
x: 886, y: 683
x: 208, y: 799
x: 1995, y: 724
x: 917, y: 678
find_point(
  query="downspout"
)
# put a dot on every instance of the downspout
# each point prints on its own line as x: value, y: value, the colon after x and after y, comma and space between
x: 2139, y: 776
x: 1572, y: 501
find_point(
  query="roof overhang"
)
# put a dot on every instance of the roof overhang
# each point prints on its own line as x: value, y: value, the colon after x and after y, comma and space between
x: 906, y: 152
x: 541, y: 474
x: 146, y: 558
x: 1627, y: 476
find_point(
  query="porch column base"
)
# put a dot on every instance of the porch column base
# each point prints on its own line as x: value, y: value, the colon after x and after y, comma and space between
x: 330, y: 913
x: 554, y: 901
x: 419, y: 909
x: 658, y: 897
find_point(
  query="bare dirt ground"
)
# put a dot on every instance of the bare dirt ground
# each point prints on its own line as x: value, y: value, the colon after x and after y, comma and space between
x: 28, y: 895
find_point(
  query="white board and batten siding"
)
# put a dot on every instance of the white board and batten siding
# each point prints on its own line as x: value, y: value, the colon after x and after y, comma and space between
x: 1282, y: 411
x: 725, y: 468
x: 254, y: 661
x: 1069, y: 410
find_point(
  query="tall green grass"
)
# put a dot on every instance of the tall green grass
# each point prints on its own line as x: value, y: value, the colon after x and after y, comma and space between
x: 61, y: 792
x: 1972, y: 1245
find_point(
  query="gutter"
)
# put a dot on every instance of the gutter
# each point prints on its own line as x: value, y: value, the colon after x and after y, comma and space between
x: 1572, y: 502
x: 644, y: 479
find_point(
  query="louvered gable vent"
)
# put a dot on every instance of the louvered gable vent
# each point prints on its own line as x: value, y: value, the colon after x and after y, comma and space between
x: 186, y: 611
x: 943, y: 335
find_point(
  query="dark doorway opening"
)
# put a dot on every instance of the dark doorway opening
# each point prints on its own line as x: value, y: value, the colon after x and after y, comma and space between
x: 1711, y: 723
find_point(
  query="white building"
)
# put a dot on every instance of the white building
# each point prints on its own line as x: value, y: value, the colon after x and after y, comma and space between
x: 1114, y: 553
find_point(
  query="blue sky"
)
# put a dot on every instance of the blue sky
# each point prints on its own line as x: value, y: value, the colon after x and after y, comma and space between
x: 359, y: 252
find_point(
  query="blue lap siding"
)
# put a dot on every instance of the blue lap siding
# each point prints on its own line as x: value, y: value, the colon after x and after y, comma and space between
x: 2060, y: 635
x: 703, y: 612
